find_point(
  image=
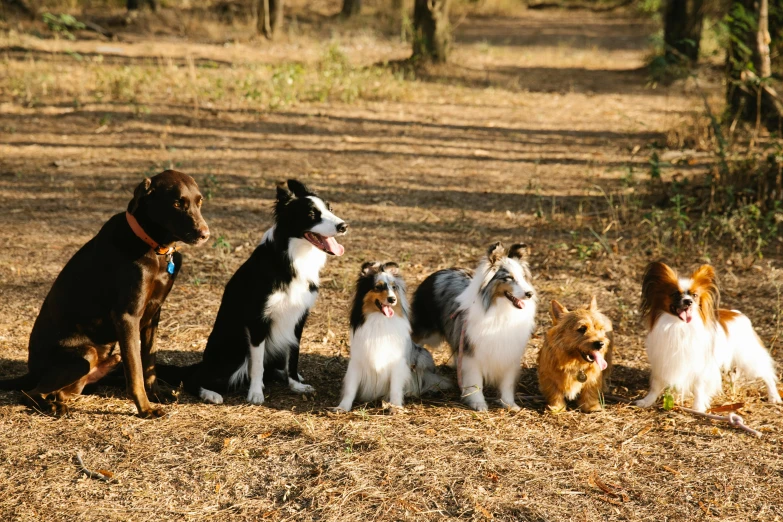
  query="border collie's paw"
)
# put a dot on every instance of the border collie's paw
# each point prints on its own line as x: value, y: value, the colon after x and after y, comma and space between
x: 479, y: 406
x: 254, y: 397
x: 340, y: 409
x: 210, y: 396
x: 300, y: 387
x: 510, y: 407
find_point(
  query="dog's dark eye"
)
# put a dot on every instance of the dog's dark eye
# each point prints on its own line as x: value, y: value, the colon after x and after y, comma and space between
x: 582, y: 329
x: 312, y: 214
x: 177, y: 204
x: 394, y: 287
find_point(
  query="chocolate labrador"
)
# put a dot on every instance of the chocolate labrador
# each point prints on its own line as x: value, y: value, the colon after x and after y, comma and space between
x: 110, y: 292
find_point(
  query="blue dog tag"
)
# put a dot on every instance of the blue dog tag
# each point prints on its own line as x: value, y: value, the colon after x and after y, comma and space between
x: 170, y: 267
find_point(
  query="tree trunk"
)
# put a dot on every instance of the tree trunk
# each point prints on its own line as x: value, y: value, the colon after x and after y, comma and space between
x: 431, y: 30
x: 351, y: 8
x: 269, y: 16
x: 750, y: 95
x: 682, y: 24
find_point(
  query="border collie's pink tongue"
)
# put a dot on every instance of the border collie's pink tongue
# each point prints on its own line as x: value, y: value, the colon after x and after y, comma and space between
x: 333, y: 247
x: 599, y: 360
x: 387, y: 310
x: 686, y: 315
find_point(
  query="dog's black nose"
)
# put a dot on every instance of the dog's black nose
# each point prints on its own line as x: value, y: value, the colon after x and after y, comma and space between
x: 391, y: 299
x: 686, y: 301
x: 342, y: 227
x: 598, y: 345
x: 528, y: 294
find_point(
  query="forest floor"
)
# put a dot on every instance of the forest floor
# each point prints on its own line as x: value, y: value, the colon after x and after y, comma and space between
x: 538, y: 131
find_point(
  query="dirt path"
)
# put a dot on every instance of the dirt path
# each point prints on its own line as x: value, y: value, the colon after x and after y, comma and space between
x: 546, y: 114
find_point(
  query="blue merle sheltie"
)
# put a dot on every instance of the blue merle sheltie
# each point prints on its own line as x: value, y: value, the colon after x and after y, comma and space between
x: 266, y: 302
x: 491, y: 313
x: 385, y: 363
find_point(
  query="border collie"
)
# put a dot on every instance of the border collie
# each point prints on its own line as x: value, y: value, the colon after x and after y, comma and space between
x: 266, y: 303
x: 385, y: 362
x: 492, y: 313
x: 691, y: 340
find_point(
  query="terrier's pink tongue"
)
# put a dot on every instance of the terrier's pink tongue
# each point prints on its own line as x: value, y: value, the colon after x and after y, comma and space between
x: 600, y: 361
x: 387, y: 310
x: 333, y: 247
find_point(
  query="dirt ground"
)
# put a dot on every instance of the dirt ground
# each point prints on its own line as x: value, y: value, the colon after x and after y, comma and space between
x: 534, y: 133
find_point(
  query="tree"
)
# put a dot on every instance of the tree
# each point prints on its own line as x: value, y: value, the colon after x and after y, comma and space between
x: 750, y: 95
x: 431, y: 30
x: 269, y: 16
x: 682, y: 24
x: 351, y: 8
x: 133, y: 5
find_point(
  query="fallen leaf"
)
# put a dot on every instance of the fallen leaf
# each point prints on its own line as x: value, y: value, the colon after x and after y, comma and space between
x: 483, y: 510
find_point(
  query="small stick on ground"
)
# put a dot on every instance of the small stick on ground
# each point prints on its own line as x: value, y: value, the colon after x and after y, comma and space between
x: 733, y: 419
x: 90, y: 474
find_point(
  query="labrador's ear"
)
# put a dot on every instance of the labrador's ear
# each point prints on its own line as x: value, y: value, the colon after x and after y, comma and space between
x: 143, y: 190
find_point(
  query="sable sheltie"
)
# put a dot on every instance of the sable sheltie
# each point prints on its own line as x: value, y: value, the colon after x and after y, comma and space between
x: 385, y: 363
x: 491, y: 313
x: 691, y: 340
x: 575, y: 360
x: 266, y: 302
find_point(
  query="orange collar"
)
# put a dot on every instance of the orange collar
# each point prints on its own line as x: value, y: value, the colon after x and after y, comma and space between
x: 161, y: 251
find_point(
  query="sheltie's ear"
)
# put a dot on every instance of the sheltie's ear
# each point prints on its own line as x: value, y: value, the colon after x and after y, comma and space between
x: 593, y: 306
x: 299, y: 189
x: 519, y: 251
x: 370, y: 267
x: 391, y: 268
x: 705, y: 283
x: 557, y: 311
x: 495, y: 253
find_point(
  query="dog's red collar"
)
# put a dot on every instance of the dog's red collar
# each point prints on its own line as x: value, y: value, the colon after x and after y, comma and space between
x: 161, y: 251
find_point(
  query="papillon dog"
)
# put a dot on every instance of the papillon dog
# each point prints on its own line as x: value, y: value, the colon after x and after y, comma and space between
x: 488, y: 315
x: 692, y: 341
x: 385, y: 362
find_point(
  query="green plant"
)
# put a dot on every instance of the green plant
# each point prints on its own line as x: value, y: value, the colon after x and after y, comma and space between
x: 668, y: 400
x: 222, y: 245
x: 63, y: 24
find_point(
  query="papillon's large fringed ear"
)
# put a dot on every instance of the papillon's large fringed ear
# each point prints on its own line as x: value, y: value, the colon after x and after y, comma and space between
x: 495, y: 253
x: 391, y: 268
x: 370, y: 267
x: 143, y: 190
x: 557, y: 311
x: 519, y: 251
x: 704, y: 278
x: 658, y: 285
x: 299, y: 189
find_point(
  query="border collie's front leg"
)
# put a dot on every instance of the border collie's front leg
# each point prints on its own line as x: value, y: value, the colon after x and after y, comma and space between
x: 256, y: 393
x: 294, y: 379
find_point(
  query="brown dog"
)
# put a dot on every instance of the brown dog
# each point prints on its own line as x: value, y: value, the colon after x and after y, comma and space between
x: 576, y: 359
x: 110, y: 292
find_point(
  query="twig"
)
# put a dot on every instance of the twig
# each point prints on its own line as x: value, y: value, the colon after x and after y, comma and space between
x: 734, y: 420
x: 91, y: 474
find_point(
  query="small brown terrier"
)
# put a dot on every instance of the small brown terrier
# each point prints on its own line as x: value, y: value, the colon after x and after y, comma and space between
x: 576, y: 358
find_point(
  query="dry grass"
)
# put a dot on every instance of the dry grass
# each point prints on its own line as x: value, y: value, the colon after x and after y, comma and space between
x: 537, y: 147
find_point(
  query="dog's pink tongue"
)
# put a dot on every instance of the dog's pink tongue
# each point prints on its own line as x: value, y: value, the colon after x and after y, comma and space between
x: 333, y: 247
x: 600, y: 361
x: 686, y: 315
x: 387, y: 310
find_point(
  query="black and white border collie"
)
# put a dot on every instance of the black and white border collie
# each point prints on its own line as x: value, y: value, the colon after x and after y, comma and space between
x: 385, y: 363
x: 266, y: 303
x: 493, y: 311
